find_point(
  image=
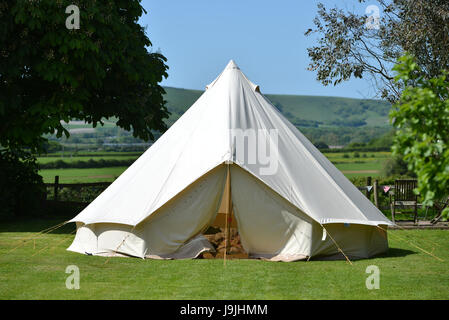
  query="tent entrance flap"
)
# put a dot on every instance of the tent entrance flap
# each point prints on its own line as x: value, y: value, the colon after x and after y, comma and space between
x: 225, y: 211
x: 225, y: 215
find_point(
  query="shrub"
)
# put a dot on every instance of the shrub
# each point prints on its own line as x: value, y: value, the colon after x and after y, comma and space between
x: 396, y: 166
x: 22, y: 188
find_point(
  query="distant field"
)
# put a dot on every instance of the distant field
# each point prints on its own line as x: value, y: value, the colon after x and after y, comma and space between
x: 351, y: 166
x: 351, y: 158
x: 43, y: 160
x: 91, y: 154
x: 350, y: 170
x: 82, y: 124
x: 82, y: 175
x: 367, y: 164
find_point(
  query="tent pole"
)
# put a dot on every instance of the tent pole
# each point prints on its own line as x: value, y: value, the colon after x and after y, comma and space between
x: 227, y: 213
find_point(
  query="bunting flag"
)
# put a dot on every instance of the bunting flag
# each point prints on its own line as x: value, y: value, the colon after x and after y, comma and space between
x: 386, y: 189
x: 369, y: 188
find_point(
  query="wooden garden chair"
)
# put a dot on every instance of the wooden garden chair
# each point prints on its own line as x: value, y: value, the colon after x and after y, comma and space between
x: 403, y: 196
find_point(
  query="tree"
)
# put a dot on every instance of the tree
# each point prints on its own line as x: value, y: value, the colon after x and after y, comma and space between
x: 349, y: 48
x: 421, y: 118
x: 51, y: 74
x: 396, y: 166
x: 22, y: 187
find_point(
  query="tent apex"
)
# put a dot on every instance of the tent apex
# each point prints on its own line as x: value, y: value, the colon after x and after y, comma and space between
x: 232, y: 65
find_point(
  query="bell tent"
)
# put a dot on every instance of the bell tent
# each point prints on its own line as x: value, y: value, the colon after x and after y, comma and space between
x: 233, y: 160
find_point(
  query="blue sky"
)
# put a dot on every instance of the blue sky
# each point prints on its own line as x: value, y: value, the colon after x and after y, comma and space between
x: 265, y: 38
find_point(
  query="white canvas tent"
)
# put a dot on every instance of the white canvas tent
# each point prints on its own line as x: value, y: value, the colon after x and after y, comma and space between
x: 288, y: 200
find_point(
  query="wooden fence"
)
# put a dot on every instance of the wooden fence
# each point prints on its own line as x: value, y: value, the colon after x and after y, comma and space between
x: 56, y: 186
x: 370, y: 188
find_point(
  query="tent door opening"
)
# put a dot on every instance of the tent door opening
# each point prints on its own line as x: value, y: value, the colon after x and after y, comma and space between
x: 223, y: 232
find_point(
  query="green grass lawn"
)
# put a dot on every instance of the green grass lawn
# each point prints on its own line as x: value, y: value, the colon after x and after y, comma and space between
x: 405, y: 272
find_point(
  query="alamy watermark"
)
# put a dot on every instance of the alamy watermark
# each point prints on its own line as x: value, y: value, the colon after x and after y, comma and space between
x: 73, y: 20
x: 73, y: 280
x: 373, y: 20
x: 257, y: 147
x: 373, y: 280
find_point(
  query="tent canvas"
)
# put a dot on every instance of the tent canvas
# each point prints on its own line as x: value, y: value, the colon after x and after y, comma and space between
x: 284, y: 192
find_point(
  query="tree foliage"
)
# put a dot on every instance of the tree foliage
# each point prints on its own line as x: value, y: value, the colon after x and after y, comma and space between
x: 347, y: 48
x: 21, y: 186
x: 422, y: 120
x: 50, y: 74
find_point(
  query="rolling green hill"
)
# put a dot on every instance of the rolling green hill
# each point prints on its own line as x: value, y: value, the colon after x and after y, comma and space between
x: 332, y: 120
x: 302, y: 111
